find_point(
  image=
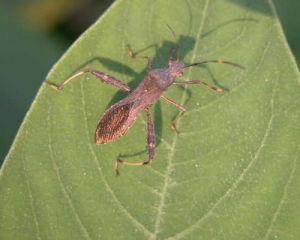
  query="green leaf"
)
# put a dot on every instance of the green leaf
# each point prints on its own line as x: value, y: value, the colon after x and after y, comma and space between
x: 232, y: 173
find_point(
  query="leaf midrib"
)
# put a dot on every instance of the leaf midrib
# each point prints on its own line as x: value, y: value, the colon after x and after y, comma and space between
x: 169, y: 162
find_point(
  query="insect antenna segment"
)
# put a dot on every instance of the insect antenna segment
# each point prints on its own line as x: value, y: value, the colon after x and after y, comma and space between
x: 214, y: 61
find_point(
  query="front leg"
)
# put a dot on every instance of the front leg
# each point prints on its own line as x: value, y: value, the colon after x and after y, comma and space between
x: 151, y: 145
x: 103, y: 76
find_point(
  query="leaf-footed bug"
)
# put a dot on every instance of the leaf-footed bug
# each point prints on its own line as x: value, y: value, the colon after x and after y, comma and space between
x: 119, y: 118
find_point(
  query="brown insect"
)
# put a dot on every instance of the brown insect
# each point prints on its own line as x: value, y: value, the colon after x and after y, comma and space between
x: 119, y: 118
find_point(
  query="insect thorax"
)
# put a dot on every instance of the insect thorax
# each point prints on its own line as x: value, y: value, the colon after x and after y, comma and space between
x: 162, y: 78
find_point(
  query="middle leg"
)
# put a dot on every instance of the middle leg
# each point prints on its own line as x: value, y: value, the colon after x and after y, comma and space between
x: 182, y: 108
x: 151, y: 145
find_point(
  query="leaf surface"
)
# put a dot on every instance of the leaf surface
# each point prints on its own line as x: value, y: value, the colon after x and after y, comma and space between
x: 232, y: 173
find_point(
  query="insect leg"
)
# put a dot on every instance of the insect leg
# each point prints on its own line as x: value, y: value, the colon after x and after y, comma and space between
x: 131, y: 54
x: 103, y: 76
x: 151, y: 145
x: 182, y: 108
x: 200, y: 82
x: 150, y: 137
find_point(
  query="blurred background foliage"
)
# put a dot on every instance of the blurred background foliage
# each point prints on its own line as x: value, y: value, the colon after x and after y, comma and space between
x: 35, y: 33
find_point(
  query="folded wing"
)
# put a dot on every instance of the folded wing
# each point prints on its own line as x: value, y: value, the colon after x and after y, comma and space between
x: 115, y: 122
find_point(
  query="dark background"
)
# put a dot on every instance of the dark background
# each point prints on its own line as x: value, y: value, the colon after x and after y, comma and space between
x: 35, y: 33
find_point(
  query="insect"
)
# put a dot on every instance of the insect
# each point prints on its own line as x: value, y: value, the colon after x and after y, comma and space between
x: 119, y: 118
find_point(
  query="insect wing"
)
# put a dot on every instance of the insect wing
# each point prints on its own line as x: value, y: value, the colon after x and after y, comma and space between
x: 114, y: 123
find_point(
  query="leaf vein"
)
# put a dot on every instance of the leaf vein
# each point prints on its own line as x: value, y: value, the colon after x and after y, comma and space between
x: 284, y: 195
x: 164, y: 190
x: 240, y: 178
x: 31, y: 198
x: 60, y: 181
